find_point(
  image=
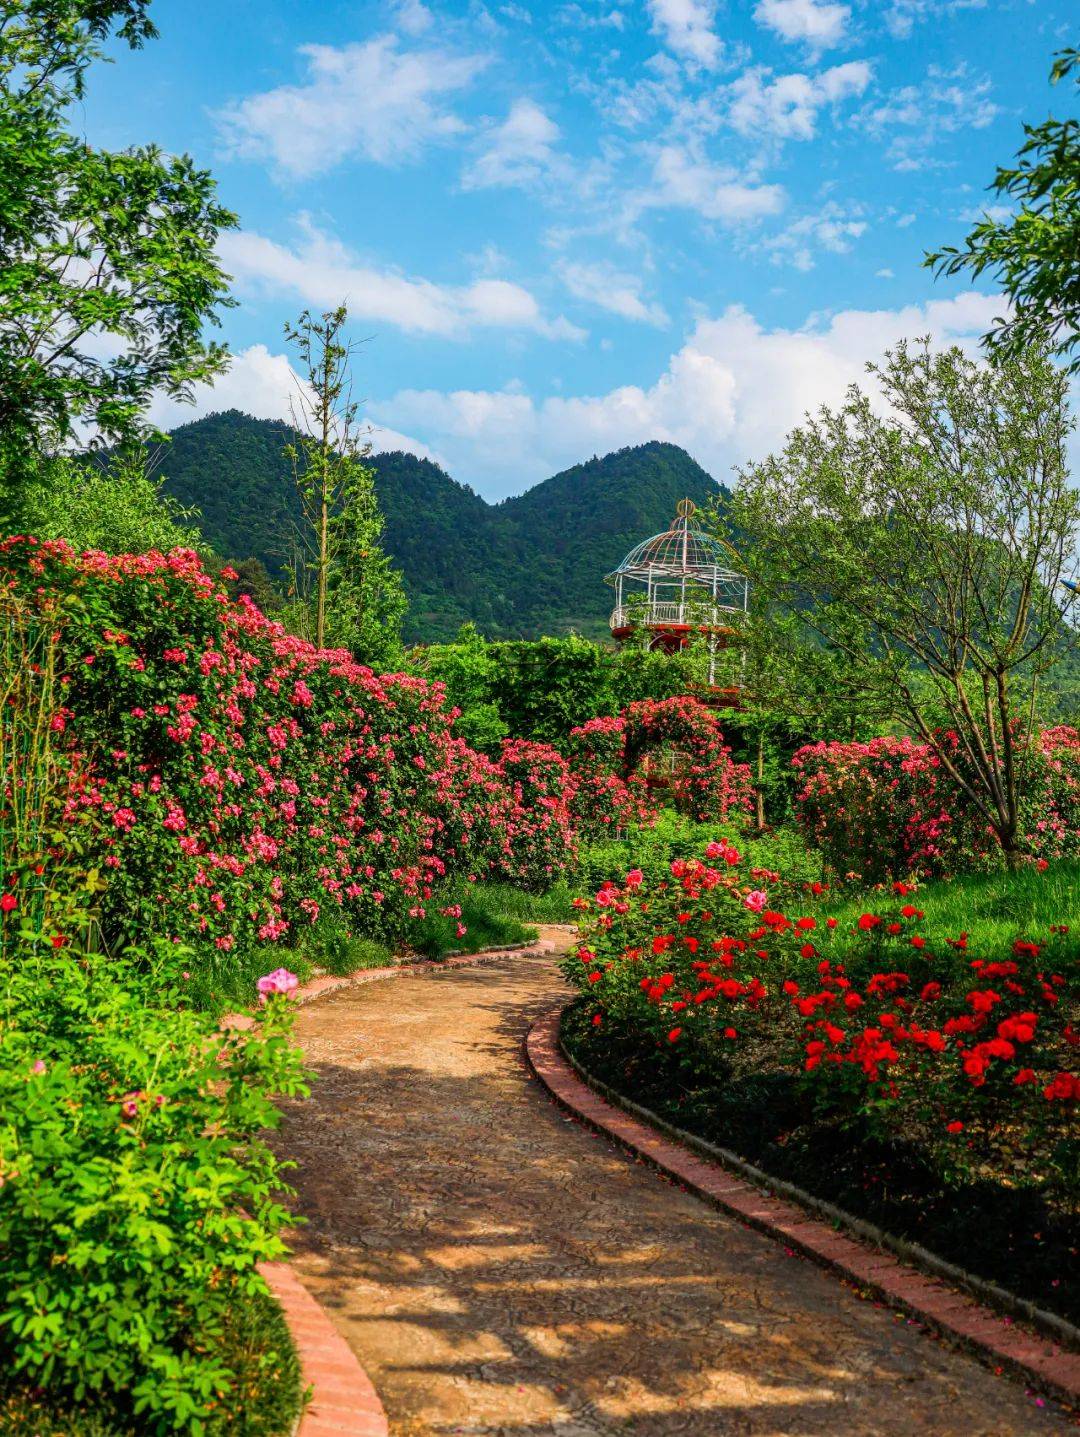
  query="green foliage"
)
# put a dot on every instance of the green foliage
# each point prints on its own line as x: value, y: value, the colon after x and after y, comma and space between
x: 93, y: 245
x: 556, y: 905
x: 1034, y: 254
x: 224, y: 982
x: 993, y: 909
x: 543, y: 688
x: 928, y: 548
x: 348, y: 595
x: 139, y: 1193
x: 466, y: 918
x: 654, y: 847
x: 110, y: 502
x: 258, y: 1348
x: 527, y: 566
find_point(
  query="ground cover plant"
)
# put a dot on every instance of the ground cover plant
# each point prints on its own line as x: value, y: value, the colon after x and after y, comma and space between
x: 889, y: 1064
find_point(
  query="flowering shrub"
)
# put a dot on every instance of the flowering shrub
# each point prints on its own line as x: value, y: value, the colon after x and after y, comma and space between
x: 603, y: 801
x: 976, y: 1053
x: 539, y: 827
x: 606, y: 754
x: 888, y: 808
x: 136, y: 1191
x: 237, y: 781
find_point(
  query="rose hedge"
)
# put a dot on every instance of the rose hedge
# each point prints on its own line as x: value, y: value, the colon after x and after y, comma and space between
x: 606, y: 754
x: 238, y: 781
x: 887, y: 808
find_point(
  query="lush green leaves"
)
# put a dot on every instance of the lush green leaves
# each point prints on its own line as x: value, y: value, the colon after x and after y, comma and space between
x: 108, y: 270
x: 928, y: 548
x: 1034, y: 254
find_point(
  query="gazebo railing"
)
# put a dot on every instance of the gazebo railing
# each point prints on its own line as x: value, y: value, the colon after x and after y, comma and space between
x: 660, y: 613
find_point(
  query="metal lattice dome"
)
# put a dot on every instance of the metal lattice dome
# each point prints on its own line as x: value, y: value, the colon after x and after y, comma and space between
x: 678, y: 584
x: 678, y: 551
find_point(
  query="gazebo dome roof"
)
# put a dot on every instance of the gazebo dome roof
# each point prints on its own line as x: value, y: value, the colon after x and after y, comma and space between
x: 678, y: 552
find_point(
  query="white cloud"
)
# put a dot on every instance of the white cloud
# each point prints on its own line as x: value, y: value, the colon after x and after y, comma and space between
x: 819, y: 22
x: 730, y: 394
x: 321, y: 271
x: 788, y: 106
x: 258, y: 382
x: 372, y: 99
x: 977, y: 213
x: 265, y: 386
x: 915, y: 117
x: 683, y: 178
x: 413, y: 17
x: 830, y: 227
x: 687, y: 29
x: 884, y: 274
x: 901, y: 15
x: 611, y: 289
x: 517, y: 152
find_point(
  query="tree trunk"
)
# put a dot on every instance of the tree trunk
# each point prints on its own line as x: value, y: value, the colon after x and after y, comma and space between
x: 320, y: 612
x: 760, y: 796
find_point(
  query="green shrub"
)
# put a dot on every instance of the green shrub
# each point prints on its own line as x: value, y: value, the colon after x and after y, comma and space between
x: 468, y: 917
x: 266, y: 1398
x: 138, y: 1194
x: 654, y: 848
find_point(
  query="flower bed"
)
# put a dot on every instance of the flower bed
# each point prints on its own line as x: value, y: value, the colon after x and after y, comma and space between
x: 891, y: 1070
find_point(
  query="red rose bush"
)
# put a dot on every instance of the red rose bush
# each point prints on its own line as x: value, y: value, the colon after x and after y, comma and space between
x: 973, y: 1055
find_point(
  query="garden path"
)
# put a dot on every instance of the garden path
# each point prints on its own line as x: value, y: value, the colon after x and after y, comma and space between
x: 498, y: 1269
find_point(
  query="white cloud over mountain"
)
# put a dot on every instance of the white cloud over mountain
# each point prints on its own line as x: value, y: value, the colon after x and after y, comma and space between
x: 729, y: 394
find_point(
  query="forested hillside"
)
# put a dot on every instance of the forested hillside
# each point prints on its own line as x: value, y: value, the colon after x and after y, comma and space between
x: 532, y: 564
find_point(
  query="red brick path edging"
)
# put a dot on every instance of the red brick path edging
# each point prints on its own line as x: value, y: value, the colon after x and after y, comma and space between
x: 949, y: 1311
x: 344, y: 1400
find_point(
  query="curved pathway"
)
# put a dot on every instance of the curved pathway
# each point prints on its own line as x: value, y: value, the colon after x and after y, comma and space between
x: 498, y: 1269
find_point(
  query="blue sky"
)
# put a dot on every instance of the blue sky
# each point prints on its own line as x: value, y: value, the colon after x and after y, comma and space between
x: 565, y: 227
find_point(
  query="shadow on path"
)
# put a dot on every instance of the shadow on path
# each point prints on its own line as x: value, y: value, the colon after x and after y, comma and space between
x: 500, y: 1269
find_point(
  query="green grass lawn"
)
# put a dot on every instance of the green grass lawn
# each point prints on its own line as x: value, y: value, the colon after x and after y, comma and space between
x: 484, y: 915
x: 994, y: 909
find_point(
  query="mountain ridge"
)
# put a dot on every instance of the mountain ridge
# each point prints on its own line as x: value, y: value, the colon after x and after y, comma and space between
x: 532, y: 563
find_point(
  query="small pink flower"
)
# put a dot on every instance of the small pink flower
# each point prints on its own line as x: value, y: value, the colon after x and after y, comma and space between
x: 279, y: 981
x: 39, y: 1067
x: 755, y: 900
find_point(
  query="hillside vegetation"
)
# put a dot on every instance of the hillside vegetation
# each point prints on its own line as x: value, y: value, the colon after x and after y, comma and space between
x: 532, y: 564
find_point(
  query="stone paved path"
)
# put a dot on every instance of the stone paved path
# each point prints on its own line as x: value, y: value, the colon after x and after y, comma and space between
x: 500, y: 1270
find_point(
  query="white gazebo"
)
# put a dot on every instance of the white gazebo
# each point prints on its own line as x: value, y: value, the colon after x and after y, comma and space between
x: 677, y: 584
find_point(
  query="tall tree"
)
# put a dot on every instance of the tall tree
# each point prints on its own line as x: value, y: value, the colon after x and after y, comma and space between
x: 926, y: 544
x: 108, y: 271
x: 349, y: 592
x: 1033, y: 254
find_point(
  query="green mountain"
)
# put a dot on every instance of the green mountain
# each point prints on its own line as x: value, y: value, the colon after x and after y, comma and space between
x: 532, y: 564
